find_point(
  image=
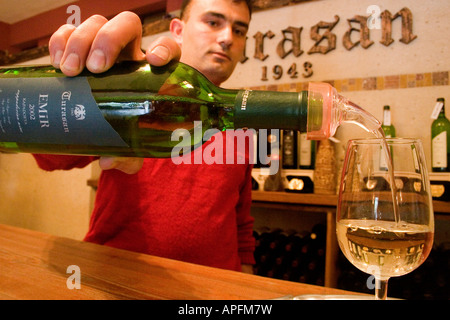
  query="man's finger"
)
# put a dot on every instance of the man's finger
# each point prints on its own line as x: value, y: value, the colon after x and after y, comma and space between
x: 79, y: 44
x: 119, y: 38
x: 57, y: 43
x: 162, y: 51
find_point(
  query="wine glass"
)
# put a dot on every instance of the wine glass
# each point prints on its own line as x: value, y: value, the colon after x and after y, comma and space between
x: 385, y: 229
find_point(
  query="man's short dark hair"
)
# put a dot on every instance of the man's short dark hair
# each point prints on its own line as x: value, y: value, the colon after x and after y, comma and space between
x: 186, y: 3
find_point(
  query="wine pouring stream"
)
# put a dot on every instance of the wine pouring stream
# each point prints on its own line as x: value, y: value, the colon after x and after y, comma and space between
x: 345, y: 111
x: 379, y: 245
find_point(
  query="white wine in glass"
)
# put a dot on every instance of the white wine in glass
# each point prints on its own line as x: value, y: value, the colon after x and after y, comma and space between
x: 385, y: 229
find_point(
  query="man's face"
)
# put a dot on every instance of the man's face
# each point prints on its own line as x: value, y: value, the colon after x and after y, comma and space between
x: 213, y: 37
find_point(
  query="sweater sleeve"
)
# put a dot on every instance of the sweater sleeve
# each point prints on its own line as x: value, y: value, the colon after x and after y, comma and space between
x: 50, y: 162
x: 246, y: 241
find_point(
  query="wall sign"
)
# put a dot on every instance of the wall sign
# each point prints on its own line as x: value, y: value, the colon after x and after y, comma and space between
x: 325, y: 40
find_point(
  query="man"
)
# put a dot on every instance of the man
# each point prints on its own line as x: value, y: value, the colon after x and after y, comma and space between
x: 189, y: 212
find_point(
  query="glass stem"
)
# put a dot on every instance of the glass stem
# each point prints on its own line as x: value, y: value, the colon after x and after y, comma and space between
x: 381, y: 286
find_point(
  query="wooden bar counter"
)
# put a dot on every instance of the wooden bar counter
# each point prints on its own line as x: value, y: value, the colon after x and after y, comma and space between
x: 34, y: 265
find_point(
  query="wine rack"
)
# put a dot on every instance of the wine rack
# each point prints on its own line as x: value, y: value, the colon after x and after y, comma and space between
x: 291, y: 255
x: 315, y: 204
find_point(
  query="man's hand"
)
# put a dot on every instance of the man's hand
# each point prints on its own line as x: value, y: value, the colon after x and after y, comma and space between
x: 97, y: 44
x: 126, y: 165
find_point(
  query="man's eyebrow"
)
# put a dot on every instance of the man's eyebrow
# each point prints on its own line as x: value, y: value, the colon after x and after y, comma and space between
x: 221, y: 16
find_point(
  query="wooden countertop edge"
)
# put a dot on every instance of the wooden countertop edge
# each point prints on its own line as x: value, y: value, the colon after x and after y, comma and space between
x: 36, y: 263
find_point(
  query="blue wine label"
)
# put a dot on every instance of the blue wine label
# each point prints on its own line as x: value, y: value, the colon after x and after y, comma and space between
x: 54, y: 111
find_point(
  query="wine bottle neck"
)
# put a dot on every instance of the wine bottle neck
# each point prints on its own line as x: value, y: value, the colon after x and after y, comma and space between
x: 271, y: 110
x: 440, y: 103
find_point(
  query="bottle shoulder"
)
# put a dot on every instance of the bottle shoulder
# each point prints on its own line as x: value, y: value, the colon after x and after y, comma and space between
x: 441, y: 121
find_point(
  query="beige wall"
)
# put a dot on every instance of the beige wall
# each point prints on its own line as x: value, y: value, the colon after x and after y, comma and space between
x: 53, y: 202
x: 60, y: 202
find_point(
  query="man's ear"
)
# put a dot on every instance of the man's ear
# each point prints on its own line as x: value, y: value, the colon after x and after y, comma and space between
x: 176, y: 28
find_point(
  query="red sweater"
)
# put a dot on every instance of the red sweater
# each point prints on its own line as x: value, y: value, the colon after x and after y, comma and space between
x: 189, y: 212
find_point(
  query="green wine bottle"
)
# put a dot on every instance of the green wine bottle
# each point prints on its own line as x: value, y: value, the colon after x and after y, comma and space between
x: 134, y: 108
x: 289, y: 149
x: 389, y: 132
x: 387, y: 126
x: 440, y: 140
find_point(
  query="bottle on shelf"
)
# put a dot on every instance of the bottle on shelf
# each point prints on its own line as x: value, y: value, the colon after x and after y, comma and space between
x: 139, y: 110
x: 306, y: 152
x: 289, y: 149
x: 440, y: 139
x: 389, y: 132
x: 387, y: 126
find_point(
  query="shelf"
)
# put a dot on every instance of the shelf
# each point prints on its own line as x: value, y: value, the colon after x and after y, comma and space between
x: 296, y: 198
x: 441, y: 206
x: 320, y: 200
x: 307, y: 199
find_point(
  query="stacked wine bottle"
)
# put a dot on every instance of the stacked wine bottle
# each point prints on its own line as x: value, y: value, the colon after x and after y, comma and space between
x: 291, y: 255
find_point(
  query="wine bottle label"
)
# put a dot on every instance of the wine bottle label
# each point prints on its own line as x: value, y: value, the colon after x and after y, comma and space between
x: 383, y: 160
x: 436, y: 110
x: 271, y: 110
x: 54, y: 111
x: 305, y: 150
x: 387, y: 118
x: 288, y: 148
x: 439, y: 147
